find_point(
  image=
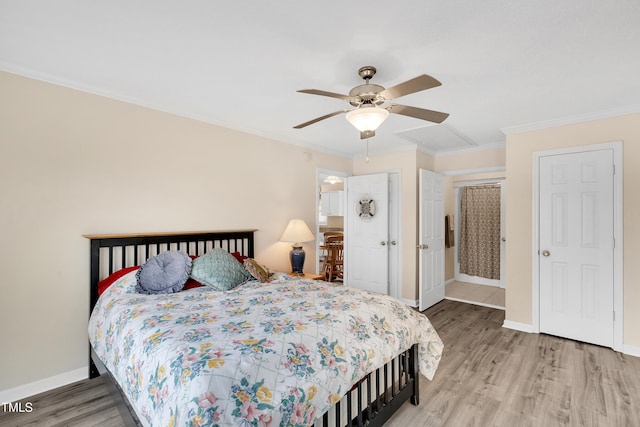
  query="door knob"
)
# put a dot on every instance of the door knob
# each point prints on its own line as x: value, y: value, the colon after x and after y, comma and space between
x: 383, y: 243
x: 393, y: 242
x: 546, y: 253
x: 423, y: 246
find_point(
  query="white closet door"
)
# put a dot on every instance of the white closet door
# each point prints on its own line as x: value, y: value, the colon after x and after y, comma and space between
x: 576, y: 246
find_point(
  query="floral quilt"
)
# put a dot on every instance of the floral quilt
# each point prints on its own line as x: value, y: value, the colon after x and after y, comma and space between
x: 278, y: 353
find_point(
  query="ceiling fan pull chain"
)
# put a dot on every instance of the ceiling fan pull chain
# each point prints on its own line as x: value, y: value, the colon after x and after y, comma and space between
x: 367, y: 158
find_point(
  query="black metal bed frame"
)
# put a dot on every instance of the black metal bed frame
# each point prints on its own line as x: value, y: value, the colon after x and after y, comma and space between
x: 370, y: 402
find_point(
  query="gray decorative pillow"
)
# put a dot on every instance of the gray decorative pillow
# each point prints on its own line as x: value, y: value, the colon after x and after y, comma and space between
x: 165, y: 273
x: 220, y: 270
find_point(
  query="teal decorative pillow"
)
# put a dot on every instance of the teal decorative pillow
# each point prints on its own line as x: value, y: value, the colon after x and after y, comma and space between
x: 219, y: 269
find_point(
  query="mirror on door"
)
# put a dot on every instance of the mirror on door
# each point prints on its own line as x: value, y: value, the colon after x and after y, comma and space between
x: 331, y: 210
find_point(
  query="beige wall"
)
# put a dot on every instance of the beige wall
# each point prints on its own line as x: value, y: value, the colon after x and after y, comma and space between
x: 520, y: 149
x: 73, y: 163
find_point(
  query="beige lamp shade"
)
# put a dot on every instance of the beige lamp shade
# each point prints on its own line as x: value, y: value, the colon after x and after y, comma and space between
x: 297, y: 231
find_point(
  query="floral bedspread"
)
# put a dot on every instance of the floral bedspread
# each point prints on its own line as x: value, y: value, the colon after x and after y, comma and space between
x: 279, y: 353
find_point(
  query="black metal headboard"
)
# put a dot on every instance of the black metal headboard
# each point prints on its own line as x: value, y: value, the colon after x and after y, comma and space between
x: 110, y: 253
x: 113, y: 252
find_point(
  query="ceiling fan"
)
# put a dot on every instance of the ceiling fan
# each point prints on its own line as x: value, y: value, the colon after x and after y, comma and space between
x: 368, y: 99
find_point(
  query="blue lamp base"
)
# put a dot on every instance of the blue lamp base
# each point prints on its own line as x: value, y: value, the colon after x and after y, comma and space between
x: 297, y: 259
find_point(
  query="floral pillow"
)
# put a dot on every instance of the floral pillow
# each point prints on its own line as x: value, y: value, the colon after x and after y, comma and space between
x: 257, y: 270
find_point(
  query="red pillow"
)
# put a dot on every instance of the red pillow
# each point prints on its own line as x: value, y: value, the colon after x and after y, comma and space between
x: 239, y: 257
x: 191, y: 284
x: 104, y: 284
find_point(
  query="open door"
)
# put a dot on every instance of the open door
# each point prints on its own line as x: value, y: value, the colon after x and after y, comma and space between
x: 431, y: 238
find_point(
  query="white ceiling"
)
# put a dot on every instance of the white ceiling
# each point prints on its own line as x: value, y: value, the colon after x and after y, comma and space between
x: 502, y: 63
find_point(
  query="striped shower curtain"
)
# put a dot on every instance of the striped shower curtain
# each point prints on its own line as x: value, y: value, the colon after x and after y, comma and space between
x: 480, y: 231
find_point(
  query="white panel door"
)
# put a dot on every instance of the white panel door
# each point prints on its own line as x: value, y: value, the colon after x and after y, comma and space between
x: 576, y: 246
x: 431, y: 238
x: 367, y: 254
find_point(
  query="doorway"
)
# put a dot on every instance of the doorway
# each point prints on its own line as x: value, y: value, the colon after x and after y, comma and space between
x: 479, y: 255
x: 330, y: 208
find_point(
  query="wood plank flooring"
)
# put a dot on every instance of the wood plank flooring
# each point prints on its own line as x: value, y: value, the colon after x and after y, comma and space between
x: 492, y: 376
x: 489, y: 376
x: 81, y: 404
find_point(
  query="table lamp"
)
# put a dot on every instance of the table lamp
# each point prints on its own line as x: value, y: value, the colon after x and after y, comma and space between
x: 297, y: 232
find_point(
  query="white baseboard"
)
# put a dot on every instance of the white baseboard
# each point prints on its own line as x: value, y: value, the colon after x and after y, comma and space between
x: 522, y: 327
x: 461, y: 277
x: 482, y: 304
x: 40, y: 386
x: 631, y: 350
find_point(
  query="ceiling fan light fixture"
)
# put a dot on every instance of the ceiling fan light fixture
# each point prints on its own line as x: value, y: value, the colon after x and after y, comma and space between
x: 367, y: 118
x: 332, y: 179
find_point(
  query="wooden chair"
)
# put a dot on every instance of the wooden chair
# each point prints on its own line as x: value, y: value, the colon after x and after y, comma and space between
x: 331, y: 234
x: 323, y: 248
x: 334, y: 260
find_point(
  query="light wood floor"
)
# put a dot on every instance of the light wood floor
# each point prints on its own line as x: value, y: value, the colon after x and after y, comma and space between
x: 493, y: 376
x: 488, y: 376
x: 81, y: 404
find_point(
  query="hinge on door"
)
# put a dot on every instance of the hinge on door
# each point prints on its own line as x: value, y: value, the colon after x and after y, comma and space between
x: 614, y: 169
x: 614, y: 242
x: 614, y: 315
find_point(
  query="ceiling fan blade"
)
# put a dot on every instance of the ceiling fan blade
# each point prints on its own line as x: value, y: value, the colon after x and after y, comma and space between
x: 418, y: 113
x: 325, y: 93
x: 416, y: 84
x: 326, y: 116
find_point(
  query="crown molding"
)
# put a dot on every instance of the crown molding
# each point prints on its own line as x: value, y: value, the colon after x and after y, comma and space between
x: 473, y: 171
x: 578, y: 118
x: 474, y: 149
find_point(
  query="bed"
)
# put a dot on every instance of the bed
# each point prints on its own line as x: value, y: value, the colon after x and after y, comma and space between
x: 289, y: 351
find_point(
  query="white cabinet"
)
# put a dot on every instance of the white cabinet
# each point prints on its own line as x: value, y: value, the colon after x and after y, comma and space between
x: 331, y: 203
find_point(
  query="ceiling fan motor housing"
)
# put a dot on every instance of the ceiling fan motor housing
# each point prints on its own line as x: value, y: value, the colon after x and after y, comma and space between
x: 366, y: 94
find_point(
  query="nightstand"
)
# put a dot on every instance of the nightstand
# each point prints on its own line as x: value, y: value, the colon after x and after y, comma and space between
x: 311, y: 276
